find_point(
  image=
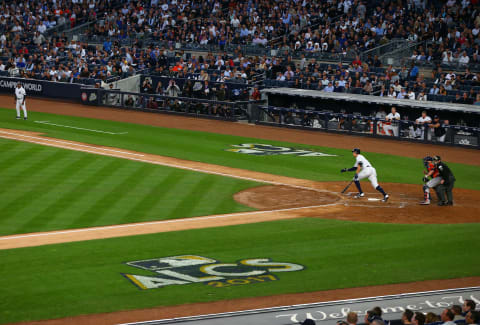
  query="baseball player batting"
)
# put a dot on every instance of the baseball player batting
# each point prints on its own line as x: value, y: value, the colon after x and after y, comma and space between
x: 20, y: 95
x: 431, y: 179
x: 364, y: 169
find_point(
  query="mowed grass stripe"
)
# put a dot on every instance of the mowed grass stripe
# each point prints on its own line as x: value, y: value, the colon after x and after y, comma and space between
x: 22, y: 199
x: 134, y: 189
x: 212, y: 205
x: 110, y: 177
x: 60, y: 189
x: 144, y: 208
x: 38, y: 195
x: 192, y: 198
x: 7, y: 146
x: 225, y: 205
x: 174, y: 194
x: 54, y: 213
x: 11, y: 165
x: 108, y: 202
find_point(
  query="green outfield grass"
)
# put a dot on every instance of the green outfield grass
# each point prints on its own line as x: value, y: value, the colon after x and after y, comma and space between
x: 85, y: 277
x: 210, y: 148
x: 45, y: 188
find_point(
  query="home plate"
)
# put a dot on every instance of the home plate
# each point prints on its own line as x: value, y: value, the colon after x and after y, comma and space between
x: 373, y: 199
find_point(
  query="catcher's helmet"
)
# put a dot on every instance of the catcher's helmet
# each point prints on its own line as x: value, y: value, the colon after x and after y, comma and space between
x: 426, y: 160
x: 356, y: 150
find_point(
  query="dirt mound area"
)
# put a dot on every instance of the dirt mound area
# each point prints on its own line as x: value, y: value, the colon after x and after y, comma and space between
x: 284, y: 197
x: 402, y: 207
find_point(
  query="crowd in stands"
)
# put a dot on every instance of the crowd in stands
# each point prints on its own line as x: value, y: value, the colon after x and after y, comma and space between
x: 370, y: 78
x: 28, y: 49
x: 217, y: 22
x: 344, y: 26
x: 450, y: 30
x: 24, y: 18
x: 454, y: 315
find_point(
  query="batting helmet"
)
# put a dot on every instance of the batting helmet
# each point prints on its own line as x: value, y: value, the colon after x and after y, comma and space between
x: 356, y: 150
x: 437, y: 158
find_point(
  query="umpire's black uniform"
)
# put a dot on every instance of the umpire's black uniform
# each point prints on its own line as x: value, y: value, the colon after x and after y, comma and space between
x: 447, y: 186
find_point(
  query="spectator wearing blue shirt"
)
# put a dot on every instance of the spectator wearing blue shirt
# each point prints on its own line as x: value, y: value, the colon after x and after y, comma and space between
x: 329, y: 88
x: 107, y: 45
x: 413, y: 72
x: 244, y: 32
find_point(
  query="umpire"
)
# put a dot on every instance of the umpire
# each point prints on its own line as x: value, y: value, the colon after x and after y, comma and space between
x: 446, y: 184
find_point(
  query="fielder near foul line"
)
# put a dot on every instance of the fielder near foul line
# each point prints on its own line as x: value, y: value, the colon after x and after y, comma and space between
x: 20, y: 95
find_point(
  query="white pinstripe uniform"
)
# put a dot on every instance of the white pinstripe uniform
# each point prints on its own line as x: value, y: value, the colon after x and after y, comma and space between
x: 367, y: 170
x: 20, y: 94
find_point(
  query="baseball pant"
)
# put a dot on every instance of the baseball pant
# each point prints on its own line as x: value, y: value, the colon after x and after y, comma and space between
x: 434, y: 182
x: 420, y: 133
x: 393, y: 128
x: 445, y: 188
x: 371, y: 174
x: 21, y: 104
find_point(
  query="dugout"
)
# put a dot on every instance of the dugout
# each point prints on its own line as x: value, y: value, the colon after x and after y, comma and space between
x: 154, y: 103
x: 353, y: 113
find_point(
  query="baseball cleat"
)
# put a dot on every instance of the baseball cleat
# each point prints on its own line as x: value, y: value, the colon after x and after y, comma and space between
x: 18, y: 117
x: 359, y: 195
x: 24, y: 118
x: 440, y: 204
x: 385, y: 198
x: 425, y: 202
x: 449, y: 203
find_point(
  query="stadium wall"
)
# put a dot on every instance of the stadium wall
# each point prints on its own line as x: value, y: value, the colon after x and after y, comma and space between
x: 41, y: 88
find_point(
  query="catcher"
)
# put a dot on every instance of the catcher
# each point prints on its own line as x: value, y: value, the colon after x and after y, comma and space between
x: 431, y: 179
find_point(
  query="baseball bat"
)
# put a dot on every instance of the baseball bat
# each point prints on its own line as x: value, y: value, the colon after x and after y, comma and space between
x: 346, y: 187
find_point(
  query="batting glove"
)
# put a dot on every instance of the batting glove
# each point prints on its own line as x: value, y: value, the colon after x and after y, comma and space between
x: 355, y: 178
x: 425, y: 179
x: 343, y: 170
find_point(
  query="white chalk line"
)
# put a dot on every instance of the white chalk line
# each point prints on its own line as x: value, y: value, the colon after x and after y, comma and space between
x: 151, y: 223
x: 67, y: 143
x: 78, y: 128
x: 358, y: 202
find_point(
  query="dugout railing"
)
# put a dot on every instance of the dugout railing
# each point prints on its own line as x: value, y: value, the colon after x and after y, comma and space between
x: 186, y: 106
x: 358, y: 124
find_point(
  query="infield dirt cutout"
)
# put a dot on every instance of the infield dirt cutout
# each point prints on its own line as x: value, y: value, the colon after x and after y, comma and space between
x: 281, y: 198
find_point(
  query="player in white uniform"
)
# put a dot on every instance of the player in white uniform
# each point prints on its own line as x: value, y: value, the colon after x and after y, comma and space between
x: 394, y: 119
x: 420, y: 131
x: 20, y: 95
x: 363, y: 169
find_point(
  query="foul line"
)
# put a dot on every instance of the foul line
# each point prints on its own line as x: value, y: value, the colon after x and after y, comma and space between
x: 66, y: 143
x: 70, y: 143
x: 77, y: 128
x: 130, y: 225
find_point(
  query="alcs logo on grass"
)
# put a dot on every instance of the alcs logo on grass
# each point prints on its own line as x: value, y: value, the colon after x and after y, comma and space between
x: 267, y: 150
x: 188, y: 269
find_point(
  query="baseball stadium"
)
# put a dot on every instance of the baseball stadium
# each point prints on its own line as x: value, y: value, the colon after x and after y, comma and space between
x: 244, y: 162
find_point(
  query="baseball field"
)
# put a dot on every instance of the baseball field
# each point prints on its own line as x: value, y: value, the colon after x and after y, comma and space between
x: 103, y: 211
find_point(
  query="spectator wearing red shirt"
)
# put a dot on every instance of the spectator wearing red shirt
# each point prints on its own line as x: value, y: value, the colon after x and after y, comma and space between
x: 357, y: 61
